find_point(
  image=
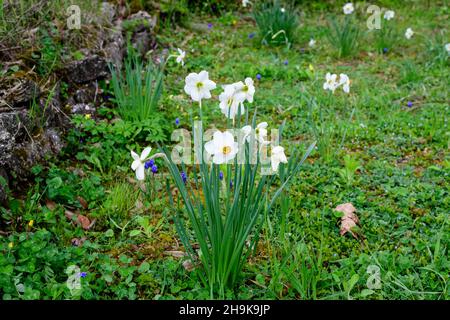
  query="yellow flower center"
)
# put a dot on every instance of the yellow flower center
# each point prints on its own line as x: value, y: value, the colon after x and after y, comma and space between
x: 226, y: 150
x: 245, y: 88
x: 199, y: 84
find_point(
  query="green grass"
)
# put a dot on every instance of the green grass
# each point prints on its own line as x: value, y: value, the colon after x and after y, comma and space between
x: 393, y: 166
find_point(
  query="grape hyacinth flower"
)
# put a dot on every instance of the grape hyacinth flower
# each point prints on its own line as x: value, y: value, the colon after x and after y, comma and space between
x: 83, y: 274
x: 409, y: 104
x: 210, y: 25
x: 251, y: 35
x: 221, y: 175
x: 149, y: 164
x: 286, y: 62
x: 184, y: 176
x: 258, y: 76
x: 177, y: 121
x: 385, y: 50
x: 154, y: 168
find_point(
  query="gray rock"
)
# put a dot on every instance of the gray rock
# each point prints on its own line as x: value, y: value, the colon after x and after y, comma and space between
x: 17, y: 92
x: 83, y: 108
x: 85, y: 94
x: 108, y: 13
x: 89, y: 69
x: 114, y: 48
x: 3, y: 186
x: 141, y: 25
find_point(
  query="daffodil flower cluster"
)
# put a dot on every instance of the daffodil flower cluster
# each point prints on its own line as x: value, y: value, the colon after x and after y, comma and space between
x: 227, y: 198
x: 332, y: 82
x: 223, y: 148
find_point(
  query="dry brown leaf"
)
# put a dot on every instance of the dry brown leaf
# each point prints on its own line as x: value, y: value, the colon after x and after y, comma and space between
x: 78, y: 242
x: 349, y: 218
x: 84, y: 221
x: 175, y: 254
x: 69, y: 214
x: 187, y: 264
x: 83, y: 202
x: 50, y: 204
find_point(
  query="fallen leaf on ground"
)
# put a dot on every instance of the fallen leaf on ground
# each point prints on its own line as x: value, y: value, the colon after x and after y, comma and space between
x: 83, y: 202
x: 84, y: 221
x: 175, y: 254
x: 78, y: 242
x: 50, y: 204
x: 349, y: 218
x: 69, y: 214
x: 187, y: 264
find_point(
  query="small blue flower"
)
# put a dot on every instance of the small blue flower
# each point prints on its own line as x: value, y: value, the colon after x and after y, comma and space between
x: 251, y: 35
x: 221, y: 175
x: 409, y: 104
x: 154, y: 168
x: 231, y: 184
x: 184, y: 176
x: 258, y: 76
x: 286, y: 62
x: 149, y: 164
x: 210, y: 25
x: 83, y: 274
x: 177, y: 121
x: 385, y: 50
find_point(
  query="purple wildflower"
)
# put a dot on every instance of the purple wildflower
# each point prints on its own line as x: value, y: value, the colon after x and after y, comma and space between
x: 221, y: 175
x: 258, y: 76
x: 154, y: 168
x: 409, y: 104
x: 83, y: 274
x: 184, y: 176
x: 210, y: 25
x: 177, y: 121
x: 149, y: 164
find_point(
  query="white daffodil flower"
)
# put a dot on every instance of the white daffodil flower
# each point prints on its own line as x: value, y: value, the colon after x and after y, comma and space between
x: 277, y: 157
x: 447, y: 47
x: 138, y: 164
x: 230, y: 102
x: 344, y: 80
x: 330, y: 83
x: 260, y: 133
x: 409, y: 33
x: 198, y: 86
x: 283, y: 10
x: 222, y: 147
x: 246, y: 90
x: 245, y: 3
x: 312, y: 43
x: 389, y: 14
x: 180, y: 57
x: 348, y: 8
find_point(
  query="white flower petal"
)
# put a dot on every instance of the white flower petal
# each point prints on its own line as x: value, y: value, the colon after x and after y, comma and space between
x: 145, y: 153
x: 210, y: 147
x: 134, y: 155
x: 140, y: 172
x: 135, y: 164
